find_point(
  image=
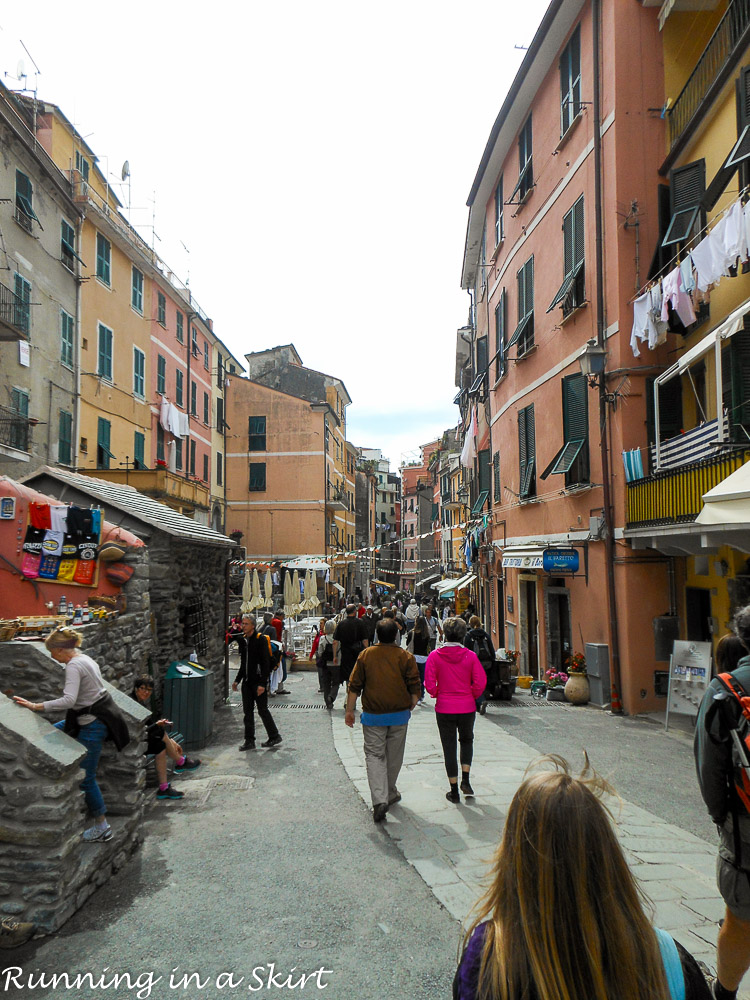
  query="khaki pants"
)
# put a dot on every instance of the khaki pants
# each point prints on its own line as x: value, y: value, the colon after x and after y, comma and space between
x: 384, y: 755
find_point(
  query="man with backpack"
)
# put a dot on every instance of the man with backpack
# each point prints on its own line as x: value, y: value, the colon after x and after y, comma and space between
x: 253, y: 675
x: 479, y: 642
x: 722, y: 760
x: 349, y: 639
x: 327, y: 665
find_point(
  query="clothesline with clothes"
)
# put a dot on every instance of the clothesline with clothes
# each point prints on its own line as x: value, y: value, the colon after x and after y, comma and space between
x: 173, y: 420
x: 703, y: 265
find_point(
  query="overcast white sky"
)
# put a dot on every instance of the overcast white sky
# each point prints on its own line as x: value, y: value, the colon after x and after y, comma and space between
x: 313, y: 158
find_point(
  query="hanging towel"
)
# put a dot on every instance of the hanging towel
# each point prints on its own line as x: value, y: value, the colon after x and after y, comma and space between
x: 716, y: 240
x: 164, y: 413
x: 174, y: 421
x: 688, y: 278
x: 641, y: 308
x: 184, y: 425
x: 735, y: 241
x: 657, y: 332
x: 676, y: 297
x: 705, y: 268
x: 633, y: 463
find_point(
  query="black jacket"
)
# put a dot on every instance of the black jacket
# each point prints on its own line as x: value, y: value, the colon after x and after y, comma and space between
x: 255, y: 660
x: 107, y: 712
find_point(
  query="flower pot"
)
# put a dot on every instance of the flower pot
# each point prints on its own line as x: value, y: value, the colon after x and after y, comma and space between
x: 556, y: 694
x: 577, y: 689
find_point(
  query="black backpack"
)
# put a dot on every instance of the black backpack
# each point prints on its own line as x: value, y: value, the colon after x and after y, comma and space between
x: 481, y: 648
x: 324, y: 652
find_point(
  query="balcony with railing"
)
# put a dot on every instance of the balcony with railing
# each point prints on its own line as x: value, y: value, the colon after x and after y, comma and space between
x: 336, y: 498
x: 14, y: 316
x: 675, y: 496
x: 160, y: 483
x: 713, y: 69
x: 15, y: 429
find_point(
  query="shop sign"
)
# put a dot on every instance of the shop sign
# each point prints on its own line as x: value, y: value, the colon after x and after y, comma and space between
x: 7, y: 508
x: 689, y: 676
x: 522, y: 561
x: 560, y: 561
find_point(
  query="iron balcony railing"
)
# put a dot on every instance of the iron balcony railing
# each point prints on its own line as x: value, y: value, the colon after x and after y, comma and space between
x: 729, y: 38
x: 14, y: 312
x: 676, y: 496
x: 15, y: 429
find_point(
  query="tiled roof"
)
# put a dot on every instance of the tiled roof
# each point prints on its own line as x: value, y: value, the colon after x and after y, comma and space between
x: 137, y: 505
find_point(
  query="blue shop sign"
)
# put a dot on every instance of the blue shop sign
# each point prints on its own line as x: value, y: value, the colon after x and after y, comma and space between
x: 560, y: 561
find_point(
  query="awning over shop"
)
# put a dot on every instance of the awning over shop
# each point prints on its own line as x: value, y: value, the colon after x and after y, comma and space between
x: 445, y: 585
x: 382, y: 583
x: 306, y: 562
x: 447, y: 588
x: 523, y: 557
x: 729, y: 502
x: 426, y: 579
x: 337, y: 586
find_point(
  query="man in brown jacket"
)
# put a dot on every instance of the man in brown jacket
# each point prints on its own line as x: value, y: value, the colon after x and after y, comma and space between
x: 388, y: 679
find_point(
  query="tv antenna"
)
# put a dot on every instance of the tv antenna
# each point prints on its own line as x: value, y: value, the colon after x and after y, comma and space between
x: 125, y: 174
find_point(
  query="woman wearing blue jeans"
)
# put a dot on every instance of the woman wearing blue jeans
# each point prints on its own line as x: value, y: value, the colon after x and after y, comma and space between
x: 84, y: 687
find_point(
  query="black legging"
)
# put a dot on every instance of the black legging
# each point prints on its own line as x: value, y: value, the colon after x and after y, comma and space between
x: 448, y: 725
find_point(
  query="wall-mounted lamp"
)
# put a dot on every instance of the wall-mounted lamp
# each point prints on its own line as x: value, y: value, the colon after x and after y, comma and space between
x: 593, y: 361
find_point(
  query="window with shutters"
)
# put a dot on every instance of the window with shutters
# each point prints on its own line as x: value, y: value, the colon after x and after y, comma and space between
x: 219, y: 468
x: 160, y: 453
x: 24, y: 213
x: 526, y: 453
x: 219, y: 413
x: 139, y: 450
x: 483, y: 259
x: 68, y: 245
x: 499, y: 214
x: 483, y: 481
x: 104, y: 362
x: 735, y: 370
x: 180, y: 327
x: 257, y: 477
x: 572, y: 460
x: 687, y: 186
x: 103, y: 259
x: 571, y: 293
x: 179, y: 388
x: 139, y: 373
x: 103, y: 454
x: 206, y: 409
x: 256, y: 434
x: 66, y: 339
x: 500, y: 317
x: 525, y: 165
x: 178, y: 454
x: 570, y: 82
x: 205, y: 469
x: 22, y: 304
x: 19, y: 424
x: 193, y: 399
x: 496, y: 477
x: 136, y: 290
x: 192, y: 457
x: 65, y: 438
x: 523, y: 335
x: 161, y: 374
x: 161, y: 309
x: 740, y: 154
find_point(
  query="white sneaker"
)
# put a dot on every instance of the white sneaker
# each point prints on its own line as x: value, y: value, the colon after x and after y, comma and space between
x: 97, y: 833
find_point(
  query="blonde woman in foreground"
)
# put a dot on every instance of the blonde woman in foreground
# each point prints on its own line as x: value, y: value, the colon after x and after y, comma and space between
x: 564, y: 917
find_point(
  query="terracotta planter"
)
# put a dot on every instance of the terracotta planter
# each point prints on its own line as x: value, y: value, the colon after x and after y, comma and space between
x: 556, y: 694
x: 577, y: 689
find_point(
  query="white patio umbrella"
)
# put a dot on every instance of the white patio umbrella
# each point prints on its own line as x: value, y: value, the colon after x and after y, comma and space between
x: 257, y: 600
x: 288, y: 594
x: 247, y: 593
x: 295, y: 588
x: 268, y: 589
x: 311, y: 591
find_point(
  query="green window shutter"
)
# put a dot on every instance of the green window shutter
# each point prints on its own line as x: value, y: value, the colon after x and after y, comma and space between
x: 178, y: 453
x: 104, y: 369
x: 568, y: 263
x: 161, y: 374
x: 192, y: 457
x: 526, y: 451
x: 65, y: 438
x: 180, y: 327
x: 103, y: 454
x: 484, y: 471
x: 103, y: 259
x: 257, y: 434
x: 162, y: 309
x: 500, y: 316
x: 66, y: 338
x: 193, y: 399
x: 159, y: 442
x: 22, y: 305
x: 257, y: 476
x: 206, y: 409
x: 740, y: 369
x: 496, y: 477
x: 139, y: 372
x: 481, y: 355
x: 179, y: 387
x: 139, y: 448
x: 575, y: 407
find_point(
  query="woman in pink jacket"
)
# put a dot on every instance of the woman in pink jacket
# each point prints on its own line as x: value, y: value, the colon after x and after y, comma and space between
x: 454, y: 676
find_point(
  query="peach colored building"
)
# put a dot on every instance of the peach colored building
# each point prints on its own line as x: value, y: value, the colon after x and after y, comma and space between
x: 290, y: 474
x: 546, y: 198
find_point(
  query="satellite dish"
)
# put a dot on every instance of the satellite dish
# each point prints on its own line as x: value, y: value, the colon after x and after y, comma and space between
x: 20, y: 69
x: 125, y: 170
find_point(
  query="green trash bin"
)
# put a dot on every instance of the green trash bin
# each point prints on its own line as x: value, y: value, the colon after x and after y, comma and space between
x: 189, y: 701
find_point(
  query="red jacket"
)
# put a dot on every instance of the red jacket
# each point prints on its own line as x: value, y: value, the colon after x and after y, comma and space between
x: 279, y: 626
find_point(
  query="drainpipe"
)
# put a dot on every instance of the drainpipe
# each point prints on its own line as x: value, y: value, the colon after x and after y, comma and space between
x: 609, y: 541
x: 76, y: 432
x: 189, y: 391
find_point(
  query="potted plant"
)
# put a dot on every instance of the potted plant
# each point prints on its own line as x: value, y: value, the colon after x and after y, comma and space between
x: 556, y: 681
x: 577, y: 685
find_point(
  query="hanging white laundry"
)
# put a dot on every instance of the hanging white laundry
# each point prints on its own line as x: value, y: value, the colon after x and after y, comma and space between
x: 641, y: 308
x: 735, y: 242
x: 184, y: 424
x: 164, y: 413
x: 705, y: 268
x: 715, y: 238
x: 173, y: 421
x: 676, y: 297
x: 688, y: 278
x: 657, y: 331
x: 172, y: 456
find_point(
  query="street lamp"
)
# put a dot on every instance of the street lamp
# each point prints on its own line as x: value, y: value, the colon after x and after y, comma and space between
x: 593, y: 361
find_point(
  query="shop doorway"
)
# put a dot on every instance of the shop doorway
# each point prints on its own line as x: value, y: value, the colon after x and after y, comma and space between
x: 558, y: 619
x: 698, y: 614
x: 529, y: 626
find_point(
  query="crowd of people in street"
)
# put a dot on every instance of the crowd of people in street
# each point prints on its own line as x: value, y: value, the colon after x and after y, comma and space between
x: 559, y: 875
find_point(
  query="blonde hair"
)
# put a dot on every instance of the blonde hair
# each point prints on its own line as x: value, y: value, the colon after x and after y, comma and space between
x: 564, y: 915
x: 63, y: 638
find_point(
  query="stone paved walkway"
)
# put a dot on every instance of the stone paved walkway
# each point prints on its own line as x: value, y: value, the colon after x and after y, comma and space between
x: 450, y: 846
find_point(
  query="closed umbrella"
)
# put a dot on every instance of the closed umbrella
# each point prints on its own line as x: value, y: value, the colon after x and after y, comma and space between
x: 288, y: 595
x: 268, y: 588
x: 256, y: 598
x: 247, y: 592
x: 295, y: 588
x: 312, y: 592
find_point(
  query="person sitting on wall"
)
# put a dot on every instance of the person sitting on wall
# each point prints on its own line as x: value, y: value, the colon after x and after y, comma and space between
x: 160, y: 743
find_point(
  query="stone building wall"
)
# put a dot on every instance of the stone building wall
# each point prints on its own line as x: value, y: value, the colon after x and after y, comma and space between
x: 46, y: 871
x: 184, y: 576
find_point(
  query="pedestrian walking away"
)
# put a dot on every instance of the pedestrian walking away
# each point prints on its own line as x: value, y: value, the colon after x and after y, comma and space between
x: 559, y: 879
x: 387, y: 678
x: 418, y: 643
x: 349, y: 639
x: 723, y: 779
x: 253, y: 675
x: 434, y: 626
x: 327, y: 665
x: 91, y: 717
x: 455, y: 678
x: 479, y: 642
